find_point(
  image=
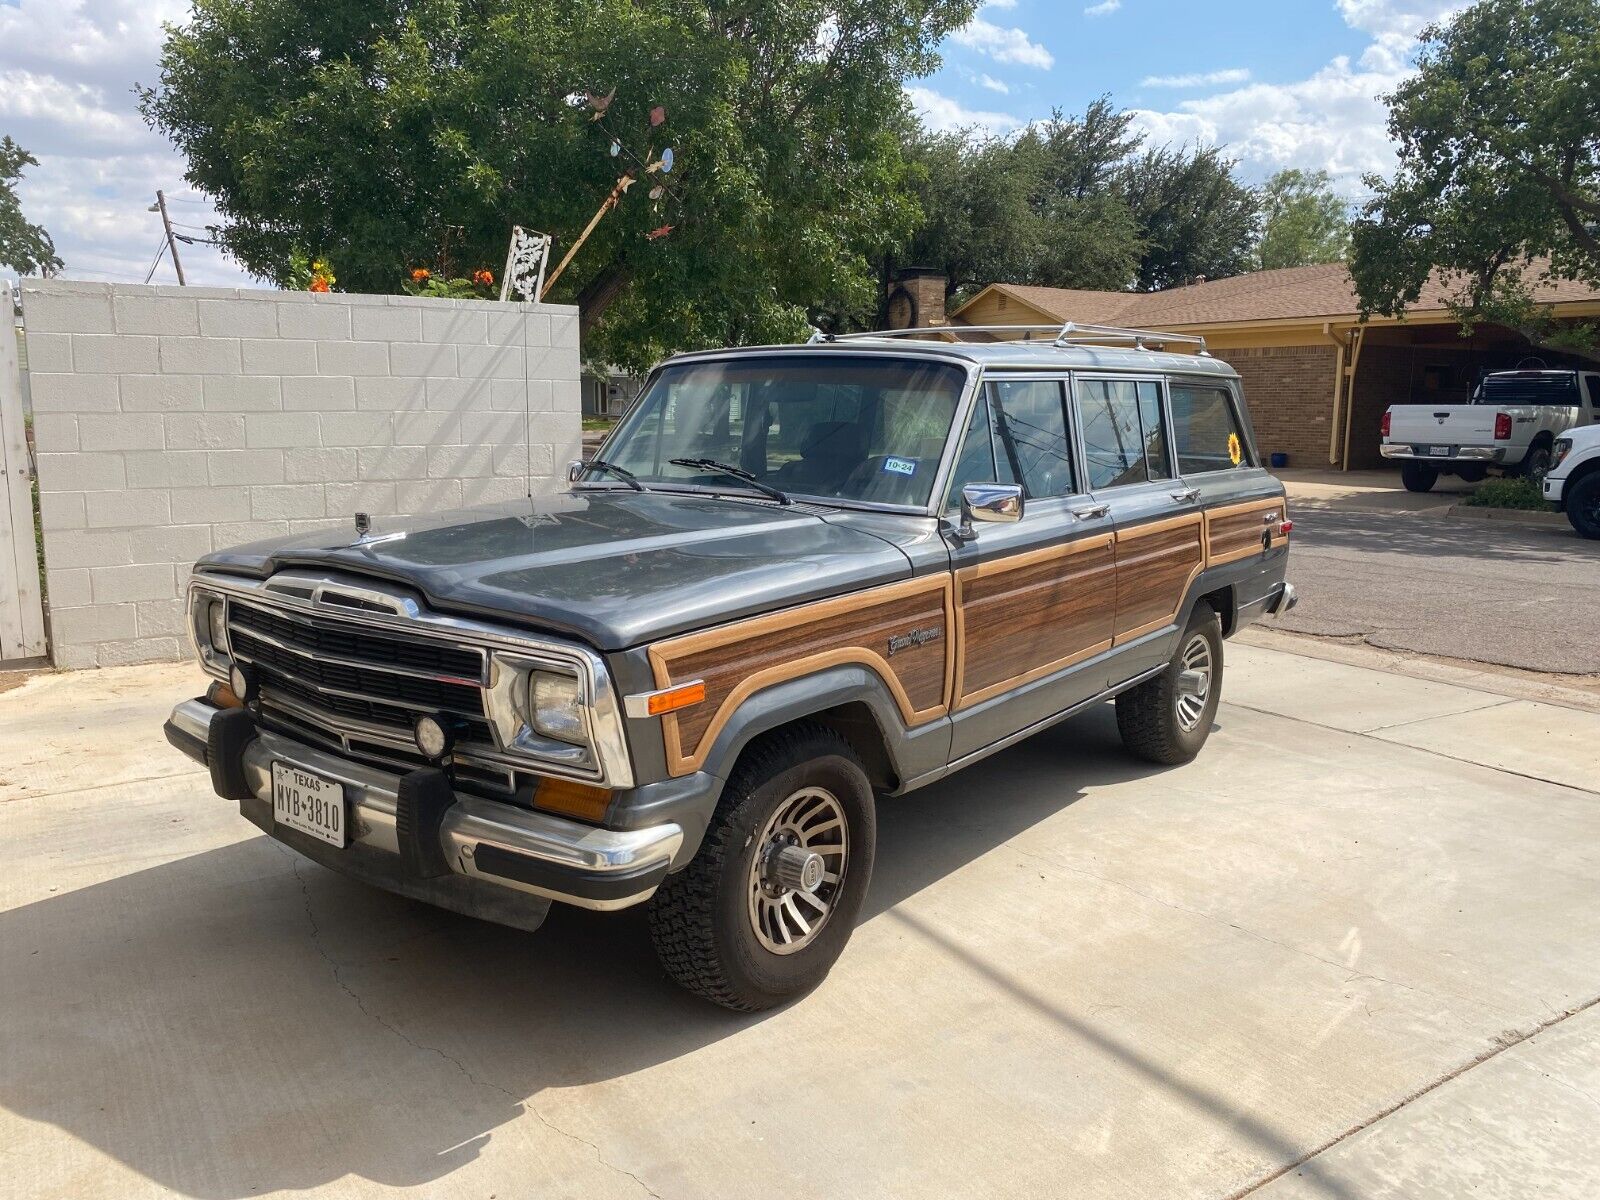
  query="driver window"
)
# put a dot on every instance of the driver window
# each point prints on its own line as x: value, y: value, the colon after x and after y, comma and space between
x: 1030, y: 432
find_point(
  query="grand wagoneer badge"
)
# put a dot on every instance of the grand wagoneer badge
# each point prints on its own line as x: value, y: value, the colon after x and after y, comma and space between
x: 917, y: 637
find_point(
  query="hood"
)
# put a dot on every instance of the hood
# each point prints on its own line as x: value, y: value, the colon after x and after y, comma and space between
x: 613, y: 567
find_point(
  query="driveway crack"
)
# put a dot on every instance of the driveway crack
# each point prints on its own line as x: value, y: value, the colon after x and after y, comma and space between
x: 1501, y: 1044
x: 523, y: 1102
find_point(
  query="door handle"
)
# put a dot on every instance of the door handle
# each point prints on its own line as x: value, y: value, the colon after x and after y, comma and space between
x: 1092, y: 512
x: 1187, y: 496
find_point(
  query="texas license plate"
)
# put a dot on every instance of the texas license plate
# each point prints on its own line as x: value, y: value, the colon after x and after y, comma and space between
x: 308, y: 803
x: 1438, y: 451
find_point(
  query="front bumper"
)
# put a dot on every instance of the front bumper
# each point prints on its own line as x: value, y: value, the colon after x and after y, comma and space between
x: 491, y: 860
x: 1553, y: 488
x: 1472, y: 454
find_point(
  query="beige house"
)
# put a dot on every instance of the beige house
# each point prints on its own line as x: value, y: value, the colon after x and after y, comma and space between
x: 1317, y: 377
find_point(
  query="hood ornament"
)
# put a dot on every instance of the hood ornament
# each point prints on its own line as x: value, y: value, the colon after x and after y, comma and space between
x: 363, y: 524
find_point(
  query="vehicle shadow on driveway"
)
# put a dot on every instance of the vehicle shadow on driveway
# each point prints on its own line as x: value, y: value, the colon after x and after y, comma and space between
x: 243, y: 1021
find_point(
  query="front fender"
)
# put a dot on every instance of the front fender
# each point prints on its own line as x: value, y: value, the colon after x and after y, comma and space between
x: 910, y: 752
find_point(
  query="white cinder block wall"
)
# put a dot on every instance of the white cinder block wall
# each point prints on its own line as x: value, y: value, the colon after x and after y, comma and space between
x: 173, y: 421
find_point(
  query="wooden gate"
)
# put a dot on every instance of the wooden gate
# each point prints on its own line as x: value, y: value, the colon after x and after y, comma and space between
x: 21, y: 610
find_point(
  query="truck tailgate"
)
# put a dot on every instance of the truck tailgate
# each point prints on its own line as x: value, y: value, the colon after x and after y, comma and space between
x: 1442, y: 424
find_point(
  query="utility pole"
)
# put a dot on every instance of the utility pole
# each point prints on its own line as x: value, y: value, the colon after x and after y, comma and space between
x: 172, y: 242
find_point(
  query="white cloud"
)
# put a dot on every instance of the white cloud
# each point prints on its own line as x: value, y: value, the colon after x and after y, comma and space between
x: 1208, y: 79
x: 993, y: 84
x: 1104, y: 9
x: 1333, y: 121
x: 1000, y: 4
x: 1007, y: 45
x: 67, y: 73
x: 941, y: 113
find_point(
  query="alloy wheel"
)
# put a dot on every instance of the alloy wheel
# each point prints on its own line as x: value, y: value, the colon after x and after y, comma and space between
x: 798, y: 870
x: 1194, y: 682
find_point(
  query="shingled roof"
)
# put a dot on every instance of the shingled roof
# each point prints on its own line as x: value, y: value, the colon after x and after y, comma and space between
x: 1294, y: 293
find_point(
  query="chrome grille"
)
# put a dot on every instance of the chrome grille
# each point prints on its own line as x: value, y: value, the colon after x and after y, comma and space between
x: 361, y: 689
x: 332, y: 638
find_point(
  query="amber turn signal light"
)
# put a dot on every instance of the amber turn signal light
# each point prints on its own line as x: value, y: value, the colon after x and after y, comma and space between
x: 572, y: 799
x: 656, y: 704
x: 673, y: 699
x: 220, y: 695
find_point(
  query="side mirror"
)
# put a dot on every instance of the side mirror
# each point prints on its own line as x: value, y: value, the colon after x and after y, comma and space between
x: 992, y: 503
x: 575, y: 470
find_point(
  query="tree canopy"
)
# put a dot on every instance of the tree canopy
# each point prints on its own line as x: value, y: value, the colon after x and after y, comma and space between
x: 384, y: 134
x: 1078, y: 202
x: 1304, y: 221
x: 24, y: 247
x: 1499, y: 162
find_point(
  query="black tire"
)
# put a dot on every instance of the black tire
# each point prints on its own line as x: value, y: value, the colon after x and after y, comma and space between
x: 702, y: 920
x: 1472, y: 474
x: 1582, y: 502
x: 1148, y: 716
x: 1536, y: 464
x: 1418, y: 477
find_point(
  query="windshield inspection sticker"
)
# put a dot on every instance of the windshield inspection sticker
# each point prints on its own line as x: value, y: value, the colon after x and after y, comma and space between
x: 900, y: 466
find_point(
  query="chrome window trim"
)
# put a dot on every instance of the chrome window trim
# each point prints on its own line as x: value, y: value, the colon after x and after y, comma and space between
x: 611, y: 766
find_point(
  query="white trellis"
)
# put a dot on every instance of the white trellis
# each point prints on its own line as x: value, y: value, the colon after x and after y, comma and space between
x: 529, y: 253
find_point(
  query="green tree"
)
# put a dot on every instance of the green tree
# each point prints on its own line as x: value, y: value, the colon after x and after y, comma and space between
x: 1499, y: 164
x: 24, y: 247
x: 1303, y: 221
x: 378, y: 132
x: 1038, y: 208
x: 1194, y: 217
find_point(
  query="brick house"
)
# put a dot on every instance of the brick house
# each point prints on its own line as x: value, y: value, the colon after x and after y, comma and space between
x: 1317, y: 377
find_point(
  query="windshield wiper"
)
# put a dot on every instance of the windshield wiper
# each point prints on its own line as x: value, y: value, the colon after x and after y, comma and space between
x: 711, y: 464
x: 627, y: 477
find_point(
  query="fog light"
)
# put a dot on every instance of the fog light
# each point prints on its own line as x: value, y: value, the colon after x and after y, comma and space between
x: 243, y: 683
x: 434, y: 738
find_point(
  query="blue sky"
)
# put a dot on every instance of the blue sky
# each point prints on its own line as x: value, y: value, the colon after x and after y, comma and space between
x: 1280, y: 82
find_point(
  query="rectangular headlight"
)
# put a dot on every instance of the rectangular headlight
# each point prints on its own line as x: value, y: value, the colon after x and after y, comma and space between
x: 555, y: 704
x: 217, y: 625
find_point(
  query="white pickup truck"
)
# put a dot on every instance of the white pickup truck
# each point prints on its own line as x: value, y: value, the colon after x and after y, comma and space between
x: 1510, y: 426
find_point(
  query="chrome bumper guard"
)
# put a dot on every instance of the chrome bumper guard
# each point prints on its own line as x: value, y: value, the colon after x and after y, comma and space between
x: 1283, y: 601
x: 529, y: 852
x: 1489, y: 454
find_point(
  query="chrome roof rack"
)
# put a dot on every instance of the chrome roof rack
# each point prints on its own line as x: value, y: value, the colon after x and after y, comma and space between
x: 1073, y: 333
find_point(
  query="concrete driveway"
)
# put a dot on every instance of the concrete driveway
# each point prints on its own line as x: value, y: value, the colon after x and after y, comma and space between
x: 1350, y: 952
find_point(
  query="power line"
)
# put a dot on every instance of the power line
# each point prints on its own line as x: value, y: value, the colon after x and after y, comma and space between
x: 161, y: 248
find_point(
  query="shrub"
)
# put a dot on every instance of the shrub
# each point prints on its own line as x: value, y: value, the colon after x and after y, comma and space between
x: 1519, y: 493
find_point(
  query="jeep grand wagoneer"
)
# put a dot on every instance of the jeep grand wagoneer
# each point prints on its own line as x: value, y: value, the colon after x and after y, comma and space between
x: 793, y: 580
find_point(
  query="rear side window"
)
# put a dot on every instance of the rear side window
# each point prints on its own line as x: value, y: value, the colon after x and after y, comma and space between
x: 1205, y: 430
x: 1124, y: 440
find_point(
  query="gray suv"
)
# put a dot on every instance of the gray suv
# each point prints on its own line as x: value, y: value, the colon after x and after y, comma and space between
x: 794, y: 579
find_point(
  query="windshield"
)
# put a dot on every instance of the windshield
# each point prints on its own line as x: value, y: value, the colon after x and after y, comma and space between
x: 828, y: 426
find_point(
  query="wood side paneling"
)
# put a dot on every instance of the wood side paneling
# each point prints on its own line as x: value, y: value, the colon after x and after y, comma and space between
x: 1234, y: 532
x: 741, y: 658
x: 1032, y: 614
x: 1156, y: 563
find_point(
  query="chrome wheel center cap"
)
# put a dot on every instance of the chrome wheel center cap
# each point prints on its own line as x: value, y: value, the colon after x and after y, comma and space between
x: 795, y: 869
